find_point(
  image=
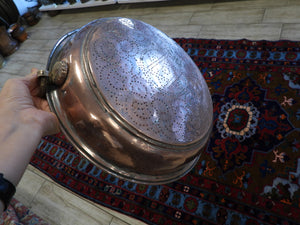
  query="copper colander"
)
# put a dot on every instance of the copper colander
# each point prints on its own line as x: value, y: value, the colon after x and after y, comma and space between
x: 130, y: 99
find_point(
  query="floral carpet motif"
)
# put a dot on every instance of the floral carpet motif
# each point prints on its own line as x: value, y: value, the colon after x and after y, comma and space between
x: 246, y: 122
x: 249, y: 172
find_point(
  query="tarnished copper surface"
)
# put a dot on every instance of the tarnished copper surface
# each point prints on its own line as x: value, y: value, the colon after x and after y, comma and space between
x: 59, y: 73
x: 134, y: 103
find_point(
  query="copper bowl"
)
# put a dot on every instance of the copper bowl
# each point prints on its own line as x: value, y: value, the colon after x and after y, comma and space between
x: 129, y: 99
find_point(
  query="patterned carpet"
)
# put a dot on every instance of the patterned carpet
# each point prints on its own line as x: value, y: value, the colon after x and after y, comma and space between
x: 19, y: 214
x: 249, y: 173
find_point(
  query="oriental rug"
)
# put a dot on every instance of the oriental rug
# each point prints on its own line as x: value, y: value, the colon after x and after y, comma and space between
x: 18, y: 214
x: 249, y: 172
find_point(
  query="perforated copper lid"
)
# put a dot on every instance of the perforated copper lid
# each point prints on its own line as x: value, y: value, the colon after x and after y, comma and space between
x: 147, y: 80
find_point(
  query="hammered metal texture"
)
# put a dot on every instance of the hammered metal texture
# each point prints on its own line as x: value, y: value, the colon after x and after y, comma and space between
x: 149, y: 81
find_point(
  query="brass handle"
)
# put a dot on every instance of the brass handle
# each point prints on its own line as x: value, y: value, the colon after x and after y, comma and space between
x: 55, y: 78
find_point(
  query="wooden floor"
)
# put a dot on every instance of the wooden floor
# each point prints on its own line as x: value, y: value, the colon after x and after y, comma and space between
x: 218, y: 19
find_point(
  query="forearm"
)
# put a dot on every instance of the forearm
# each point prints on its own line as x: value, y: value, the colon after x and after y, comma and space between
x: 18, y: 143
x: 17, y: 147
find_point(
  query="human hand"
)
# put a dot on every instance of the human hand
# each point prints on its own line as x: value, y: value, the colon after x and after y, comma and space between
x: 24, y: 119
x: 20, y: 105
